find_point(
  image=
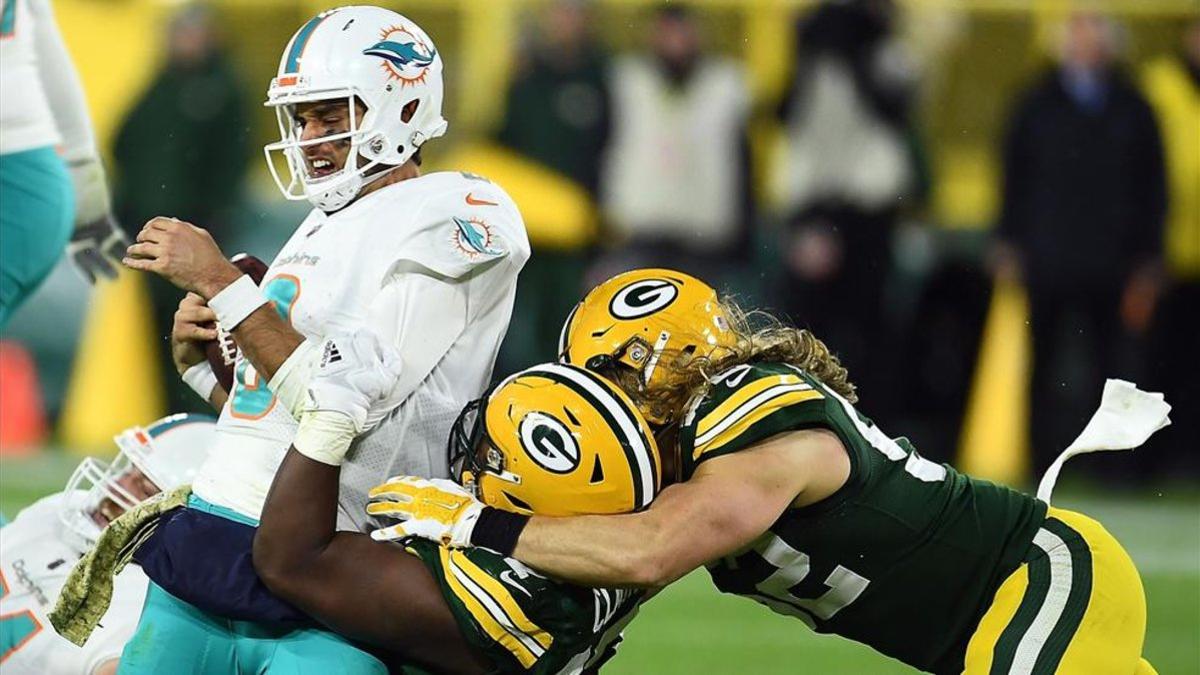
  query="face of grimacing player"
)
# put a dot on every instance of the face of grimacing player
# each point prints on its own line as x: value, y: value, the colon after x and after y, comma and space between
x: 136, y: 484
x: 318, y: 119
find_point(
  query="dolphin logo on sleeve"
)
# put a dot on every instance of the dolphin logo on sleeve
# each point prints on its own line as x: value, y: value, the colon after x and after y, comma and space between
x: 474, y: 237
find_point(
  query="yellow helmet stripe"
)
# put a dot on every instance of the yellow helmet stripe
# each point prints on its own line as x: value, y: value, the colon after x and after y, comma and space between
x: 740, y: 396
x: 620, y: 415
x: 751, y: 412
x: 494, y: 609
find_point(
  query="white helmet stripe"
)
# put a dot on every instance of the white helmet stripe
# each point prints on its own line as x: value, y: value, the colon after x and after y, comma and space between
x: 641, y: 461
x: 562, y: 337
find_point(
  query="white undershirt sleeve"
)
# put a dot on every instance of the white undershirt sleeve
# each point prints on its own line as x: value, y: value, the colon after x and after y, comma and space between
x: 62, y: 86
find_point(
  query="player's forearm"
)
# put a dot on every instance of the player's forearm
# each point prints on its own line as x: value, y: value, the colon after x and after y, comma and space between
x: 610, y: 551
x: 299, y: 520
x: 688, y: 525
x: 586, y: 550
x: 266, y: 340
x: 364, y: 590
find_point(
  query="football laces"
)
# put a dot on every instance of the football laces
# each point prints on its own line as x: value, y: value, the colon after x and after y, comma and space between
x: 229, y: 350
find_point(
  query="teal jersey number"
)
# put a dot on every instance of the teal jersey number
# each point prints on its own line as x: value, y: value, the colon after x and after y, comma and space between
x: 251, y: 398
x: 15, y: 629
x: 8, y: 18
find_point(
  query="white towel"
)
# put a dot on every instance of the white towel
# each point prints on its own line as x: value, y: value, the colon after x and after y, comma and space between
x: 1127, y: 416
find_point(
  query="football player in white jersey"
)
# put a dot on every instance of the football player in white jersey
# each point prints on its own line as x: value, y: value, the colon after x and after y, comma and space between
x: 38, y: 549
x: 428, y: 263
x: 46, y: 193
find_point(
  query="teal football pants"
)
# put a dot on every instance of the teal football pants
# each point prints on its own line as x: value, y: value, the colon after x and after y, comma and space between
x: 37, y: 207
x: 175, y: 638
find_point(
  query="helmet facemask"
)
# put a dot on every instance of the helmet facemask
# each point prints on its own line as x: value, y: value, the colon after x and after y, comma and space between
x: 472, y: 452
x: 336, y: 190
x: 102, y: 482
x: 165, y: 455
x: 371, y: 57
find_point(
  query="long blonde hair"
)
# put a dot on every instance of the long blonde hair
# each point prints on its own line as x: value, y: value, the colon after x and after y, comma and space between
x: 761, y: 338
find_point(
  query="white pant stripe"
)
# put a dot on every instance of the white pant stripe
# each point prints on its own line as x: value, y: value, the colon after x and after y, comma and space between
x: 1052, y: 607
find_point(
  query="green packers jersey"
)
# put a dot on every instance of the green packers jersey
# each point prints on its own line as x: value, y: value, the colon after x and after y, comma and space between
x: 905, y: 557
x: 524, y: 622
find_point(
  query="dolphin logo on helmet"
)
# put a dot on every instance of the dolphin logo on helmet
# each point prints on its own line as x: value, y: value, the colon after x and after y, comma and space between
x: 401, y: 53
x: 387, y: 73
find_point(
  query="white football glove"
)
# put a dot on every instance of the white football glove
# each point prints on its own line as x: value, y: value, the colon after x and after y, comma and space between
x: 354, y: 374
x: 98, y: 244
x: 435, y: 509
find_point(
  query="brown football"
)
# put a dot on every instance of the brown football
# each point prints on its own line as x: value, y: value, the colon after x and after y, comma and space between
x: 223, y: 352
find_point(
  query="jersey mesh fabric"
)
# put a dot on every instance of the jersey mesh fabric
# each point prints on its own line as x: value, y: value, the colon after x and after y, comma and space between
x: 410, y: 441
x: 905, y: 557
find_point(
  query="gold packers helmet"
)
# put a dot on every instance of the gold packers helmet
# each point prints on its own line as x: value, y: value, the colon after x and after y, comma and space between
x: 557, y: 440
x: 634, y: 318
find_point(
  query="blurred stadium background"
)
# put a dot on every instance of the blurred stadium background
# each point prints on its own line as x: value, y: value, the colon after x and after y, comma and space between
x: 905, y: 274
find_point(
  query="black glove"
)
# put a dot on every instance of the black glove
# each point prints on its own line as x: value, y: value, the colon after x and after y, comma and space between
x: 97, y: 247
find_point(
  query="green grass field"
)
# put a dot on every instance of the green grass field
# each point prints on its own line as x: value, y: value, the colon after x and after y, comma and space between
x: 690, y: 628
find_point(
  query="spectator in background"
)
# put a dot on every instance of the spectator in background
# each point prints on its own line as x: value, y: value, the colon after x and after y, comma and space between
x: 184, y: 146
x: 676, y: 181
x: 557, y: 110
x: 1173, y: 86
x: 183, y: 149
x: 848, y: 169
x: 1081, y: 224
x: 557, y: 114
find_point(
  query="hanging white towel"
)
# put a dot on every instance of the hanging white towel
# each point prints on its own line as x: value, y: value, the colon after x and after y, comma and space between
x: 1127, y: 416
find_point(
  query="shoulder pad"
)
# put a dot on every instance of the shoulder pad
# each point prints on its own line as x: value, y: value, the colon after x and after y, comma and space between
x: 463, y: 223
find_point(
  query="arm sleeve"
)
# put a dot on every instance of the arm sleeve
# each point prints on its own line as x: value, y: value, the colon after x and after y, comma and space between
x: 422, y: 314
x: 63, y: 88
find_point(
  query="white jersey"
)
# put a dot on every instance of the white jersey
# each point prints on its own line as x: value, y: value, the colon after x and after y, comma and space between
x: 37, y: 552
x: 430, y: 263
x: 42, y: 103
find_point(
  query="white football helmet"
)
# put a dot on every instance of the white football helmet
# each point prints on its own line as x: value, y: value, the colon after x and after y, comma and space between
x: 371, y: 54
x: 169, y: 452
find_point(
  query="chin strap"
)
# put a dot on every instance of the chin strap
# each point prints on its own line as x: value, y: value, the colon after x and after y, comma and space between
x: 364, y: 180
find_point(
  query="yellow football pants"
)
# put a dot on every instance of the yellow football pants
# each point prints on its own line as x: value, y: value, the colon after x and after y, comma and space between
x: 1075, y: 606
